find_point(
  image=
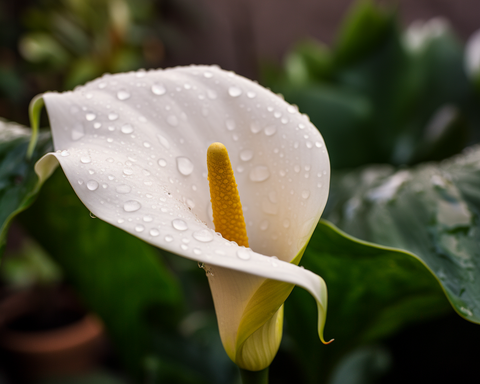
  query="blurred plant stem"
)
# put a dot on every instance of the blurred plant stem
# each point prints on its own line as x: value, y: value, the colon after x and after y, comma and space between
x: 254, y: 377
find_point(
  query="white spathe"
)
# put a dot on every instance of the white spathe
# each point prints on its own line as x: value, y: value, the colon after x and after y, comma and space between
x: 133, y: 147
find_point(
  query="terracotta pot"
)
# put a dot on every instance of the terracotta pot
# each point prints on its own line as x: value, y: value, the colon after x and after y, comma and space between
x: 70, y: 344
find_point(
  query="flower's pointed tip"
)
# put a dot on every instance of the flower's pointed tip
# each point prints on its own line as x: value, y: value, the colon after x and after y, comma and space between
x: 34, y: 110
x: 326, y: 342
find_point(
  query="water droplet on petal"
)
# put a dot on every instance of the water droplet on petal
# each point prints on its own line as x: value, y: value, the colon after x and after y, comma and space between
x: 65, y: 153
x: 230, y: 123
x: 251, y: 94
x: 90, y: 116
x: 162, y: 162
x: 128, y: 171
x: 163, y: 141
x: 184, y: 165
x: 208, y: 75
x: 203, y: 235
x: 246, y: 155
x: 172, y: 120
x: 234, y: 91
x: 243, y: 254
x: 112, y: 116
x: 197, y: 251
x: 123, y: 95
x: 306, y: 194
x: 154, y: 232
x: 78, y: 131
x: 139, y: 228
x: 309, y: 144
x: 264, y: 225
x: 127, y: 128
x: 259, y: 173
x: 168, y: 238
x: 318, y: 144
x: 255, y: 127
x: 158, y: 89
x: 179, y: 225
x: 123, y: 188
x: 92, y: 185
x: 212, y: 95
x: 85, y: 159
x: 269, y: 131
x: 131, y: 206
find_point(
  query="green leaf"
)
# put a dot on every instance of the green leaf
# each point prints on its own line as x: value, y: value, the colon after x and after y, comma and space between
x: 120, y: 277
x: 19, y: 183
x: 308, y: 62
x: 432, y: 210
x: 364, y: 29
x: 373, y: 291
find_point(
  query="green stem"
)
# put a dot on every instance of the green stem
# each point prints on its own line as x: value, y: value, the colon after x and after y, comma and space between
x: 254, y: 377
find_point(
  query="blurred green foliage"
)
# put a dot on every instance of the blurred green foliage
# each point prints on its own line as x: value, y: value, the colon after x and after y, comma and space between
x: 383, y: 95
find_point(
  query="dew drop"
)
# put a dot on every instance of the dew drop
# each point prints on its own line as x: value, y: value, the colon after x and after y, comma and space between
x: 139, y: 228
x: 127, y: 128
x: 243, y: 254
x: 203, y: 235
x: 179, y: 225
x: 255, y: 127
x: 234, y: 91
x: 246, y: 155
x: 123, y: 188
x: 90, y: 116
x: 230, y: 123
x: 163, y: 141
x: 184, y: 165
x: 208, y: 75
x: 128, y: 171
x: 112, y: 116
x: 154, y: 232
x: 92, y: 185
x: 309, y: 144
x: 168, y: 239
x: 259, y: 173
x: 78, y: 131
x: 264, y: 225
x: 123, y: 95
x: 131, y: 206
x: 184, y: 247
x: 172, y: 120
x: 269, y: 131
x: 197, y: 251
x: 318, y: 144
x: 291, y: 109
x: 251, y: 94
x: 85, y: 160
x: 158, y: 89
x: 162, y: 162
x: 212, y: 95
x: 65, y: 153
x: 305, y: 194
x: 97, y: 125
x: 148, y: 219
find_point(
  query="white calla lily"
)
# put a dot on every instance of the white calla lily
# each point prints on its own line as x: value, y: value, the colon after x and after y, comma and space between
x: 133, y: 147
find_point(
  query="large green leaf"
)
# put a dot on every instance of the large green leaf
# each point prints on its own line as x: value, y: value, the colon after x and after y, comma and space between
x: 373, y: 291
x: 19, y: 183
x: 432, y: 210
x: 120, y: 277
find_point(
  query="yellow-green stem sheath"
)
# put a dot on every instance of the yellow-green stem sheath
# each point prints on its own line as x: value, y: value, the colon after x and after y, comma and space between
x: 227, y: 208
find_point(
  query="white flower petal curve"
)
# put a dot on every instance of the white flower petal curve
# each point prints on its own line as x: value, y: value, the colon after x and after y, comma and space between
x: 134, y: 145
